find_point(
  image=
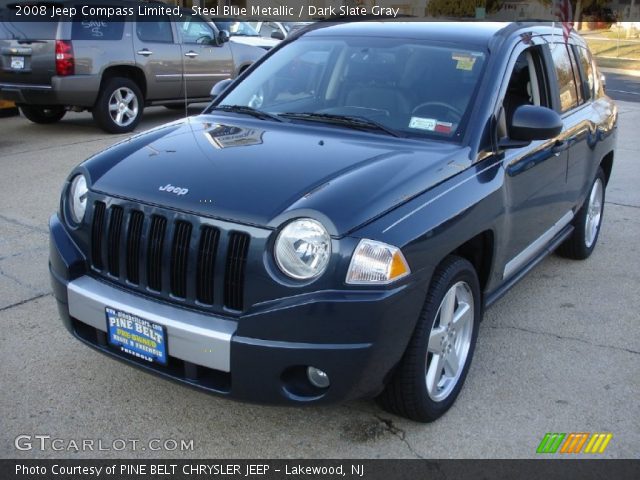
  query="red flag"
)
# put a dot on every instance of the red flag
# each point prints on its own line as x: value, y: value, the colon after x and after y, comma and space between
x: 565, y: 14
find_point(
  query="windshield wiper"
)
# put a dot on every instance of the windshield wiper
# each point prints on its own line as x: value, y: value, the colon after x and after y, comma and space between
x: 248, y: 111
x: 353, y: 121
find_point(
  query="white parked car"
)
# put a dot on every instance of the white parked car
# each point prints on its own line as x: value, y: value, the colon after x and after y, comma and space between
x: 242, y: 32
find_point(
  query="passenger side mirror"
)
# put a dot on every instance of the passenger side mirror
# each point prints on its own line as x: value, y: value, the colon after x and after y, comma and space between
x: 277, y: 35
x: 223, y: 37
x: 532, y: 122
x: 219, y: 87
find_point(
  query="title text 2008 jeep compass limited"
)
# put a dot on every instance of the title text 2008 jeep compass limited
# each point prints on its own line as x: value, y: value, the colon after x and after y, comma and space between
x: 335, y: 223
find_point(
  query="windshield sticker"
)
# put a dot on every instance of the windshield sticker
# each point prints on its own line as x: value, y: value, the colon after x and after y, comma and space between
x: 465, y: 61
x: 423, y: 123
x: 443, y: 127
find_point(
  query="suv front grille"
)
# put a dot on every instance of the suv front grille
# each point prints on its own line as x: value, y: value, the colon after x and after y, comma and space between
x: 176, y: 258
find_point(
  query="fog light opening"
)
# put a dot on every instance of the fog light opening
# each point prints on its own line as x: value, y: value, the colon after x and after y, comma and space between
x: 317, y: 377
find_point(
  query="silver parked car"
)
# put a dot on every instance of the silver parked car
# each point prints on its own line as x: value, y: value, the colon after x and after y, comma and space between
x: 114, y: 68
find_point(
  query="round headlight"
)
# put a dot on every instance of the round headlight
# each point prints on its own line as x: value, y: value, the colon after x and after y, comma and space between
x: 303, y: 249
x: 78, y: 198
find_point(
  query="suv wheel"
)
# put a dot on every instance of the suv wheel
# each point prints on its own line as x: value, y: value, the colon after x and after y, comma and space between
x: 119, y: 106
x: 435, y: 364
x: 582, y: 241
x: 38, y: 114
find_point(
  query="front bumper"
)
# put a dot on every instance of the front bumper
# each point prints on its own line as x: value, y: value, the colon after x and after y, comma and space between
x: 71, y: 91
x: 242, y: 357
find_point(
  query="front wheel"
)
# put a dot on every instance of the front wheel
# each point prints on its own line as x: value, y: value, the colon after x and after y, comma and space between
x: 587, y: 223
x: 43, y: 115
x: 119, y: 106
x: 435, y: 364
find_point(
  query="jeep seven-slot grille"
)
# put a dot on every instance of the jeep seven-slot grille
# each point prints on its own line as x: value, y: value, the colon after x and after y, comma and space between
x: 173, y: 258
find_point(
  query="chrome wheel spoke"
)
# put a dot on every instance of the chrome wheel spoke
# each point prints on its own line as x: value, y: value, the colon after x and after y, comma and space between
x: 119, y: 117
x: 451, y: 363
x: 447, y: 308
x: 462, y: 316
x: 118, y: 95
x: 434, y: 373
x: 128, y: 98
x: 436, y: 339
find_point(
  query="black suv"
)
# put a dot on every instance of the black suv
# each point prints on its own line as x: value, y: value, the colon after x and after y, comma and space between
x: 336, y: 222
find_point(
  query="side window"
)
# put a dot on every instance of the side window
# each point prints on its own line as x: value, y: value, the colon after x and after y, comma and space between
x: 586, y: 68
x: 527, y: 86
x: 195, y: 30
x: 268, y: 28
x: 154, y: 30
x: 97, y: 30
x: 565, y: 77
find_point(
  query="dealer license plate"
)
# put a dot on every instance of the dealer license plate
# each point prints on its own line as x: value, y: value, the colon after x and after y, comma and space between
x: 136, y: 336
x: 17, y: 63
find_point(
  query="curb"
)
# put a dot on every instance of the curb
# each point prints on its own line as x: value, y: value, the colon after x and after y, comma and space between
x: 8, y: 109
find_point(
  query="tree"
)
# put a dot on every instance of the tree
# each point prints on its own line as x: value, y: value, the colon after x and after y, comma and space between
x: 460, y: 8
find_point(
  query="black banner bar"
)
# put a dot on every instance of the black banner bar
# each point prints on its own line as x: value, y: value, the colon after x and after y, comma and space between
x: 584, y: 469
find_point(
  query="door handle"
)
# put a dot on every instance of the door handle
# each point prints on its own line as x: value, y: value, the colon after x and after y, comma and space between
x: 191, y: 54
x: 559, y: 147
x: 144, y: 52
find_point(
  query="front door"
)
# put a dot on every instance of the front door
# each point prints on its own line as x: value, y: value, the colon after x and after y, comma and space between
x: 157, y: 52
x: 536, y: 175
x: 205, y: 62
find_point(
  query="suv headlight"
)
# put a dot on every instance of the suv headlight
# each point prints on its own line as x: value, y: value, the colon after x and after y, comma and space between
x: 376, y: 263
x: 77, y: 199
x: 302, y: 249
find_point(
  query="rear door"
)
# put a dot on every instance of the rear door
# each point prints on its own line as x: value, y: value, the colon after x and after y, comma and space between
x: 27, y: 52
x: 157, y: 53
x: 205, y: 63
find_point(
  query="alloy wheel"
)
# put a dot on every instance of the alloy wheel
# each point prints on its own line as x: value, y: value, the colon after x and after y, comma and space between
x: 449, y: 341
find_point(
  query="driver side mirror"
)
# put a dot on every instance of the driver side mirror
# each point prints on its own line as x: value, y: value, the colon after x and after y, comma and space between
x: 219, y: 87
x: 532, y: 122
x: 277, y: 35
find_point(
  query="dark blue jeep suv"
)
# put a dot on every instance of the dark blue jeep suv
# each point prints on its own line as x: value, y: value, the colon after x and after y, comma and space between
x: 337, y: 220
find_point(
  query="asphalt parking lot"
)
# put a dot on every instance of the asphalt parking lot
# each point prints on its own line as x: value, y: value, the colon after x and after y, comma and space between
x: 560, y: 353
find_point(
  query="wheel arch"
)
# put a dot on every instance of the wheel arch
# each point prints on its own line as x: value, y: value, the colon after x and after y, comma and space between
x: 479, y: 251
x: 607, y: 166
x: 131, y: 72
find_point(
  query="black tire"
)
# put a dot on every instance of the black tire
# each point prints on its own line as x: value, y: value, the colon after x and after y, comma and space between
x: 103, y: 116
x: 580, y: 245
x: 406, y: 394
x: 43, y: 114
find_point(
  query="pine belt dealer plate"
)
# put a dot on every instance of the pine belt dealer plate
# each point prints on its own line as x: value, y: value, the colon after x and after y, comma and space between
x: 136, y: 336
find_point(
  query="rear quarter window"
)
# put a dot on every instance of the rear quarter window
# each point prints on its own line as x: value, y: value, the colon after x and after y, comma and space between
x: 28, y: 30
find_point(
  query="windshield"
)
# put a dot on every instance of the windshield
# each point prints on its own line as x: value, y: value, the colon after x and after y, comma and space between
x: 412, y: 87
x: 237, y: 29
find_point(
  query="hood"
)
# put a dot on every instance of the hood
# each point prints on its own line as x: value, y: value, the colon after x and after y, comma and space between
x: 256, y: 41
x: 262, y: 173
